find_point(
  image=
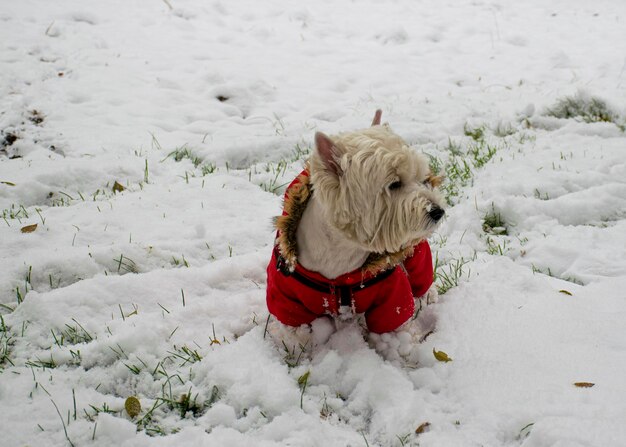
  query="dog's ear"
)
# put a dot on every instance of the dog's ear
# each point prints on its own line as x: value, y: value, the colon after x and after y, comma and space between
x: 328, y: 152
x: 377, y: 115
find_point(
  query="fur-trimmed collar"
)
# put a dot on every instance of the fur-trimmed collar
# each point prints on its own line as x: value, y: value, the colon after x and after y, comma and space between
x: 296, y: 200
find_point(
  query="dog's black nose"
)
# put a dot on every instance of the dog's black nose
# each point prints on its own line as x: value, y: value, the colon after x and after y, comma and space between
x: 436, y: 213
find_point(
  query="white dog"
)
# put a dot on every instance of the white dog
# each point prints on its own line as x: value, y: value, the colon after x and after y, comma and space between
x: 352, y: 239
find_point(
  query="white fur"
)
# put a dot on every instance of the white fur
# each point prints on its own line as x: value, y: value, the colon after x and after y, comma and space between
x: 357, y: 200
x: 316, y: 238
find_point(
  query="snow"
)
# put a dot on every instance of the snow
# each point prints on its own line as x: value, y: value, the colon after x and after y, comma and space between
x: 203, y: 112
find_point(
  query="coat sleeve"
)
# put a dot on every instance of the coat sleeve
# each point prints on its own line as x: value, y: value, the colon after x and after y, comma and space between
x: 281, y: 301
x: 394, y: 304
x: 419, y: 268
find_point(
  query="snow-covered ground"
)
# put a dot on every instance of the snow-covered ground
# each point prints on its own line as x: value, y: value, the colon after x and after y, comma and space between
x: 201, y: 111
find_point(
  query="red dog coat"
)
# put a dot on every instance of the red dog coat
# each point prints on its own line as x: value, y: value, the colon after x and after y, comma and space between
x: 383, y: 289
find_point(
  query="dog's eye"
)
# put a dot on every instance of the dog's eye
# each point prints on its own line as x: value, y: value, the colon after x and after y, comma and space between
x: 395, y: 185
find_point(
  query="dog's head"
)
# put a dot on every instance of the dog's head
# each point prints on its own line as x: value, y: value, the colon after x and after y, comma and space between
x: 377, y: 191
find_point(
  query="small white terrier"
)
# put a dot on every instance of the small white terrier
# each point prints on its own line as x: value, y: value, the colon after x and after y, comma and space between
x: 352, y: 241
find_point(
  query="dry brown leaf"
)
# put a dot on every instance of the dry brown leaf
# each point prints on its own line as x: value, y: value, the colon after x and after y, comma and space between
x: 132, y: 406
x: 565, y: 292
x: 422, y: 428
x: 584, y: 384
x: 117, y: 187
x: 441, y: 356
x: 29, y: 228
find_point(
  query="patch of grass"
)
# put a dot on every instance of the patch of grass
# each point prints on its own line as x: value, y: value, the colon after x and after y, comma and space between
x: 541, y: 196
x: 184, y: 404
x: 525, y: 431
x: 548, y: 271
x: 293, y: 355
x: 301, y: 152
x: 28, y: 286
x: 148, y: 421
x: 278, y: 170
x: 404, y: 439
x: 459, y: 169
x: 43, y: 364
x: 15, y: 212
x: 458, y: 174
x: 135, y: 369
x: 475, y: 133
x: 435, y: 164
x: 270, y: 176
x: 187, y: 402
x: 496, y: 246
x: 208, y: 168
x: 185, y: 354
x: 453, y: 147
x: 125, y: 264
x: 6, y: 345
x: 102, y: 194
x: 182, y: 153
x: 179, y: 262
x: 493, y: 223
x: 97, y: 410
x: 448, y: 275
x: 480, y: 153
x: 60, y: 198
x: 71, y: 335
x: 589, y: 109
x: 326, y: 410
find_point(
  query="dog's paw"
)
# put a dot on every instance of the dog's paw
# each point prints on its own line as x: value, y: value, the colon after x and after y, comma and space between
x: 431, y: 296
x: 321, y: 331
x: 289, y: 339
x: 395, y: 347
x: 401, y: 345
x: 297, y: 343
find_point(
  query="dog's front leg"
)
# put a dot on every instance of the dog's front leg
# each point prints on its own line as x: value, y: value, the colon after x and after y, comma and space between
x: 297, y: 342
x: 401, y: 345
